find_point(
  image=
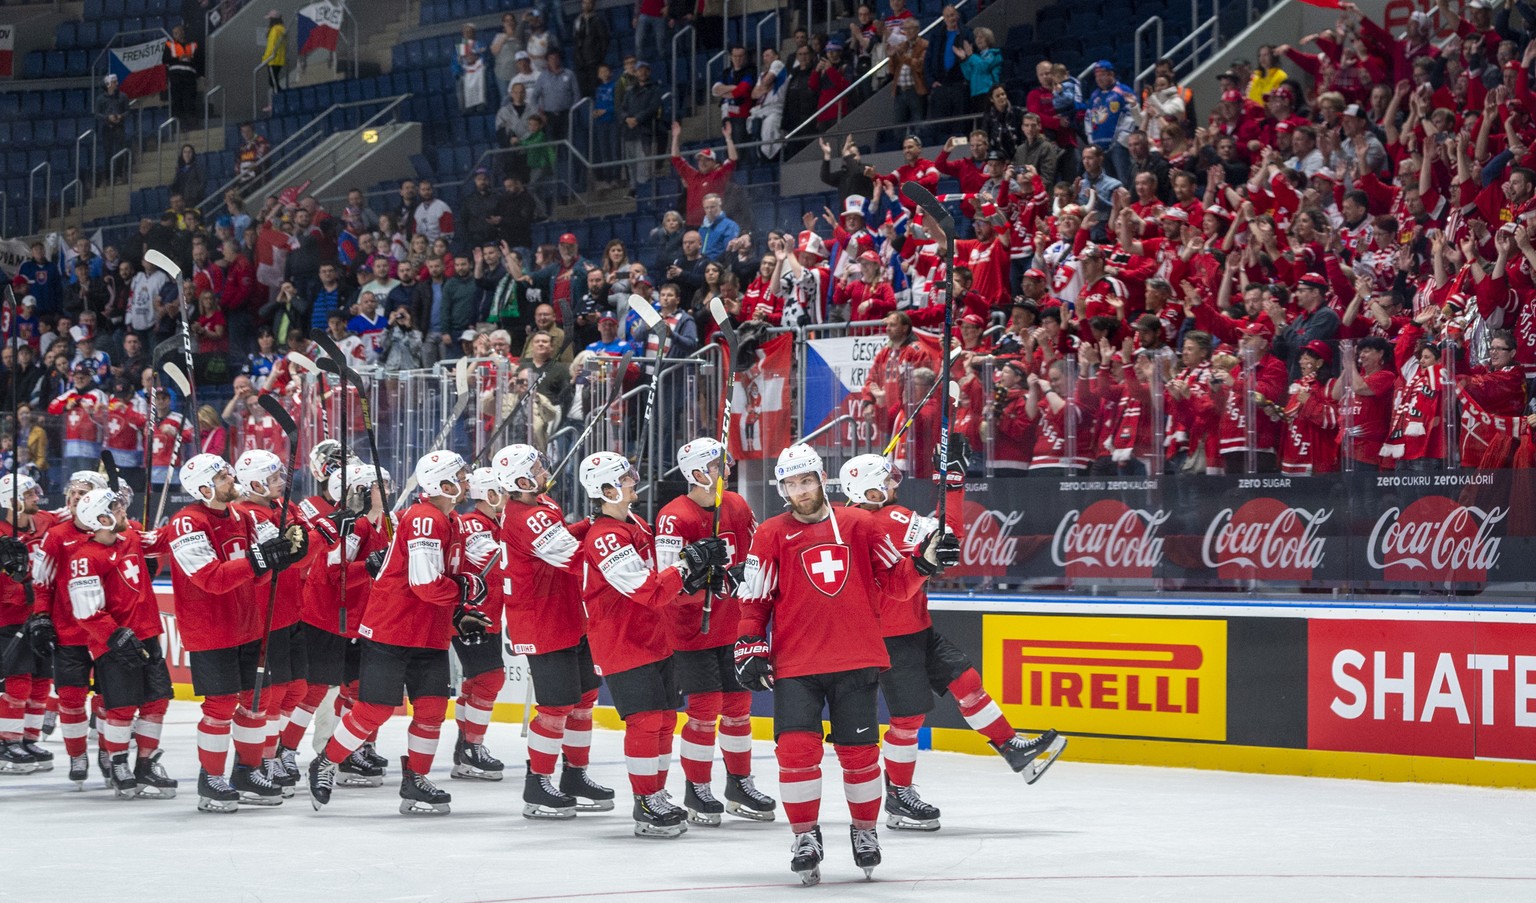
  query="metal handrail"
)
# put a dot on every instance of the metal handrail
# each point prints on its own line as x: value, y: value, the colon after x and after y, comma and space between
x: 1140, y: 73
x: 693, y: 62
x: 112, y: 173
x: 5, y: 213
x: 832, y: 104
x: 709, y: 98
x: 571, y: 119
x: 208, y: 117
x: 32, y: 191
x: 160, y: 143
x: 841, y: 418
x: 79, y: 188
x: 757, y: 32
x: 256, y: 83
x: 91, y: 134
x: 276, y: 156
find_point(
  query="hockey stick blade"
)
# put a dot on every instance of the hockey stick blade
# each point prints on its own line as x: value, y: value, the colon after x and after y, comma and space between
x: 723, y: 320
x: 645, y: 311
x: 163, y: 262
x: 924, y: 198
x: 179, y: 379
x: 303, y: 362
x: 461, y: 376
x: 109, y: 467
x: 277, y: 412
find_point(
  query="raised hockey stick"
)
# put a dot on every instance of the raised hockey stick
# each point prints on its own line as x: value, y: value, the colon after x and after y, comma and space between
x: 307, y: 365
x: 596, y: 417
x: 461, y: 386
x: 732, y: 342
x: 109, y: 468
x: 954, y: 390
x: 174, y: 272
x: 924, y: 198
x: 149, y: 446
x: 655, y: 324
x: 338, y: 365
x: 179, y: 380
x: 494, y: 440
x: 274, y: 409
x: 13, y: 311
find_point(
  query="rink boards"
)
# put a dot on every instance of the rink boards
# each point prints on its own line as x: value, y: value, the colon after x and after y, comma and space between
x: 1444, y: 694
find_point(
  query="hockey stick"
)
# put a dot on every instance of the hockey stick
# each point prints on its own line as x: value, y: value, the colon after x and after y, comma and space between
x: 179, y: 380
x: 347, y: 375
x: 732, y: 342
x: 654, y: 323
x: 149, y: 445
x: 274, y: 409
x: 307, y: 367
x: 109, y: 467
x: 954, y: 390
x: 461, y: 385
x: 14, y: 339
x: 924, y: 198
x: 595, y: 418
x: 492, y: 441
x: 172, y: 270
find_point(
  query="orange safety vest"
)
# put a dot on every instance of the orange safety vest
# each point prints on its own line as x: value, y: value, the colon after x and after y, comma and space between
x: 182, y: 53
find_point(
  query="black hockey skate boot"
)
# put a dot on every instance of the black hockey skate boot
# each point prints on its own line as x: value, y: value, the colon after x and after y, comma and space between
x: 590, y: 795
x: 14, y: 759
x: 805, y: 856
x: 472, y: 761
x: 743, y: 799
x: 214, y: 794
x: 866, y: 849
x: 372, y: 757
x: 322, y: 779
x: 905, y: 810
x: 278, y: 775
x: 541, y: 799
x: 703, y: 808
x: 124, y: 785
x: 1031, y: 756
x: 79, y: 770
x: 43, y: 757
x: 254, y: 787
x: 357, y: 770
x: 154, y: 783
x: 418, y: 795
x: 50, y: 721
x: 656, y: 816
x: 290, y: 760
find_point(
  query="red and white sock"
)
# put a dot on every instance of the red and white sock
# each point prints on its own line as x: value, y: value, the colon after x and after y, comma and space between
x: 73, y: 723
x: 900, y: 748
x: 303, y: 714
x: 149, y: 724
x: 799, y: 754
x: 664, y: 737
x: 421, y: 737
x: 642, y: 752
x: 477, y: 699
x: 697, y: 749
x: 980, y: 712
x: 546, y: 733
x: 37, y: 706
x: 250, y: 735
x: 116, y: 728
x: 13, y: 707
x: 578, y: 731
x: 213, y: 732
x: 353, y: 729
x: 736, y: 733
x: 861, y: 783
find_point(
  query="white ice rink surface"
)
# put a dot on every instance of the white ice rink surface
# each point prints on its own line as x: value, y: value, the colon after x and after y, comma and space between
x: 1083, y: 833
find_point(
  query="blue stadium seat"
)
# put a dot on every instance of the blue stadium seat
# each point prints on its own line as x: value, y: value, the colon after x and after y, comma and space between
x: 77, y: 64
x: 354, y: 90
x: 10, y: 103
x: 89, y: 35
x: 33, y: 66
x: 413, y: 57
x: 32, y: 103
x: 422, y: 167
x: 44, y: 132
x: 93, y: 10
x: 5, y: 133
x: 64, y: 35
x: 16, y: 161
x: 21, y: 134
x: 53, y: 103
x: 137, y: 8
x: 444, y: 158
x: 458, y: 9
x: 114, y: 9
x: 106, y: 30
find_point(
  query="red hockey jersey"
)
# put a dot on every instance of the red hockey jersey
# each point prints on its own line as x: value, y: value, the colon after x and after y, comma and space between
x: 413, y: 601
x: 682, y: 521
x: 214, y: 586
x: 541, y: 579
x: 628, y: 599
x: 105, y: 589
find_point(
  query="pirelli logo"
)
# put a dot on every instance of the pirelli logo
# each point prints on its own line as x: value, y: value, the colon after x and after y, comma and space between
x: 1130, y: 677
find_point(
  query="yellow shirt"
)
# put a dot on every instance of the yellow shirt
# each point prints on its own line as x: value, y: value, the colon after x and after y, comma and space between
x: 1261, y: 85
x: 277, y: 46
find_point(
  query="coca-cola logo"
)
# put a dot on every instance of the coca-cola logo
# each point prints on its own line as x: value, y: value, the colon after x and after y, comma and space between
x: 1108, y: 540
x: 1265, y: 539
x: 1436, y: 539
x: 989, y: 548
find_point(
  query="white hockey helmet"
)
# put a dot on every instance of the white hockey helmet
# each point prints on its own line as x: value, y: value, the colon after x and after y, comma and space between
x: 796, y: 460
x: 482, y: 482
x: 91, y: 478
x: 520, y: 468
x: 27, y: 487
x: 94, y: 510
x: 437, y: 468
x: 359, y: 476
x: 602, y: 470
x: 698, y: 455
x: 253, y: 469
x: 320, y: 455
x: 862, y: 473
x: 199, y: 473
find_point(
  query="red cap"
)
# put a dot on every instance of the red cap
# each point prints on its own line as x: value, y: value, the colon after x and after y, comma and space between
x: 1219, y: 211
x: 973, y: 319
x: 1316, y: 280
x: 1177, y: 214
x: 1034, y: 273
x: 1231, y: 96
x: 568, y: 238
x: 869, y: 257
x: 1321, y: 349
x: 1262, y: 328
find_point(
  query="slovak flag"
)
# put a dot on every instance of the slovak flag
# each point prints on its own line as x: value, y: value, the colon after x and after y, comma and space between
x: 319, y: 27
x: 140, y: 69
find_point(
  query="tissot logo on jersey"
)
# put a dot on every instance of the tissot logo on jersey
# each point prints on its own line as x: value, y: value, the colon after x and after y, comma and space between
x: 827, y: 565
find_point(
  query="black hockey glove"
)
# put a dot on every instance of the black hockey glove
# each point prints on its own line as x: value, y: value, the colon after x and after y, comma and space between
x: 471, y: 589
x: 939, y: 551
x: 698, y: 558
x: 344, y: 519
x: 272, y: 555
x: 471, y: 623
x: 13, y: 557
x: 125, y: 649
x: 754, y: 670
x: 959, y: 461
x: 374, y: 563
x: 41, y: 636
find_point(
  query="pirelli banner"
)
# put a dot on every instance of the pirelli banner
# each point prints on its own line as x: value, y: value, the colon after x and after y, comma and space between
x: 1470, y: 533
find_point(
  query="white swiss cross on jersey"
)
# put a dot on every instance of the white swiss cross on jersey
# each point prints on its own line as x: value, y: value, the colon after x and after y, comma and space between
x: 827, y: 565
x: 131, y: 573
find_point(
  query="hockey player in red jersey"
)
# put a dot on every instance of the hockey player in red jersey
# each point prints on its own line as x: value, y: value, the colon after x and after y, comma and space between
x: 219, y: 574
x: 262, y: 478
x: 26, y: 638
x: 923, y: 662
x: 547, y: 622
x: 416, y: 607
x: 818, y: 576
x: 705, y: 673
x: 628, y: 599
x: 479, y: 654
x: 110, y: 600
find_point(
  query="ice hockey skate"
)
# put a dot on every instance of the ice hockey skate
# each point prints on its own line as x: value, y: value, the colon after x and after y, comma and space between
x: 471, y: 761
x: 805, y: 856
x: 357, y: 771
x: 124, y: 785
x: 905, y: 810
x: 656, y: 816
x: 79, y: 770
x: 744, y: 800
x: 214, y: 794
x: 322, y: 779
x: 541, y: 799
x: 866, y: 849
x: 16, y: 760
x: 590, y: 795
x: 418, y: 795
x: 1032, y: 756
x: 703, y: 808
x: 255, y: 787
x: 43, y: 757
x: 154, y: 783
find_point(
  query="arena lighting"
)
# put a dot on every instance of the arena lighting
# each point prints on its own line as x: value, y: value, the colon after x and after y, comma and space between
x: 370, y: 136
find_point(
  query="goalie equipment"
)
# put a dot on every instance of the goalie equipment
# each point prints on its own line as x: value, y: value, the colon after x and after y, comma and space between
x: 437, y: 468
x: 320, y: 458
x: 604, y: 470
x: 200, y: 472
x: 698, y: 455
x: 861, y: 474
x: 254, y: 470
x: 520, y: 468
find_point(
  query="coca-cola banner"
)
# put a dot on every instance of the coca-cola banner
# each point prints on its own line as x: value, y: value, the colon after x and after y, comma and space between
x: 1453, y: 533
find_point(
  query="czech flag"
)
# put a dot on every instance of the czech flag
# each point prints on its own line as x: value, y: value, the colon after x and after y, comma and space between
x: 140, y: 69
x: 319, y: 27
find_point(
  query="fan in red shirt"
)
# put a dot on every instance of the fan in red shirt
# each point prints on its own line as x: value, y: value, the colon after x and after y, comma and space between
x: 218, y: 564
x: 866, y: 296
x: 1365, y: 404
x: 26, y: 673
x: 819, y: 575
x: 111, y: 602
x: 703, y: 660
x: 416, y: 608
x: 547, y: 622
x: 710, y: 177
x: 629, y: 602
x: 480, y: 663
x: 923, y: 662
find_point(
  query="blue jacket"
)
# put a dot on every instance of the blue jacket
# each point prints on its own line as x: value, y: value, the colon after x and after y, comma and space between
x: 1110, y: 113
x: 717, y: 235
x: 984, y: 70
